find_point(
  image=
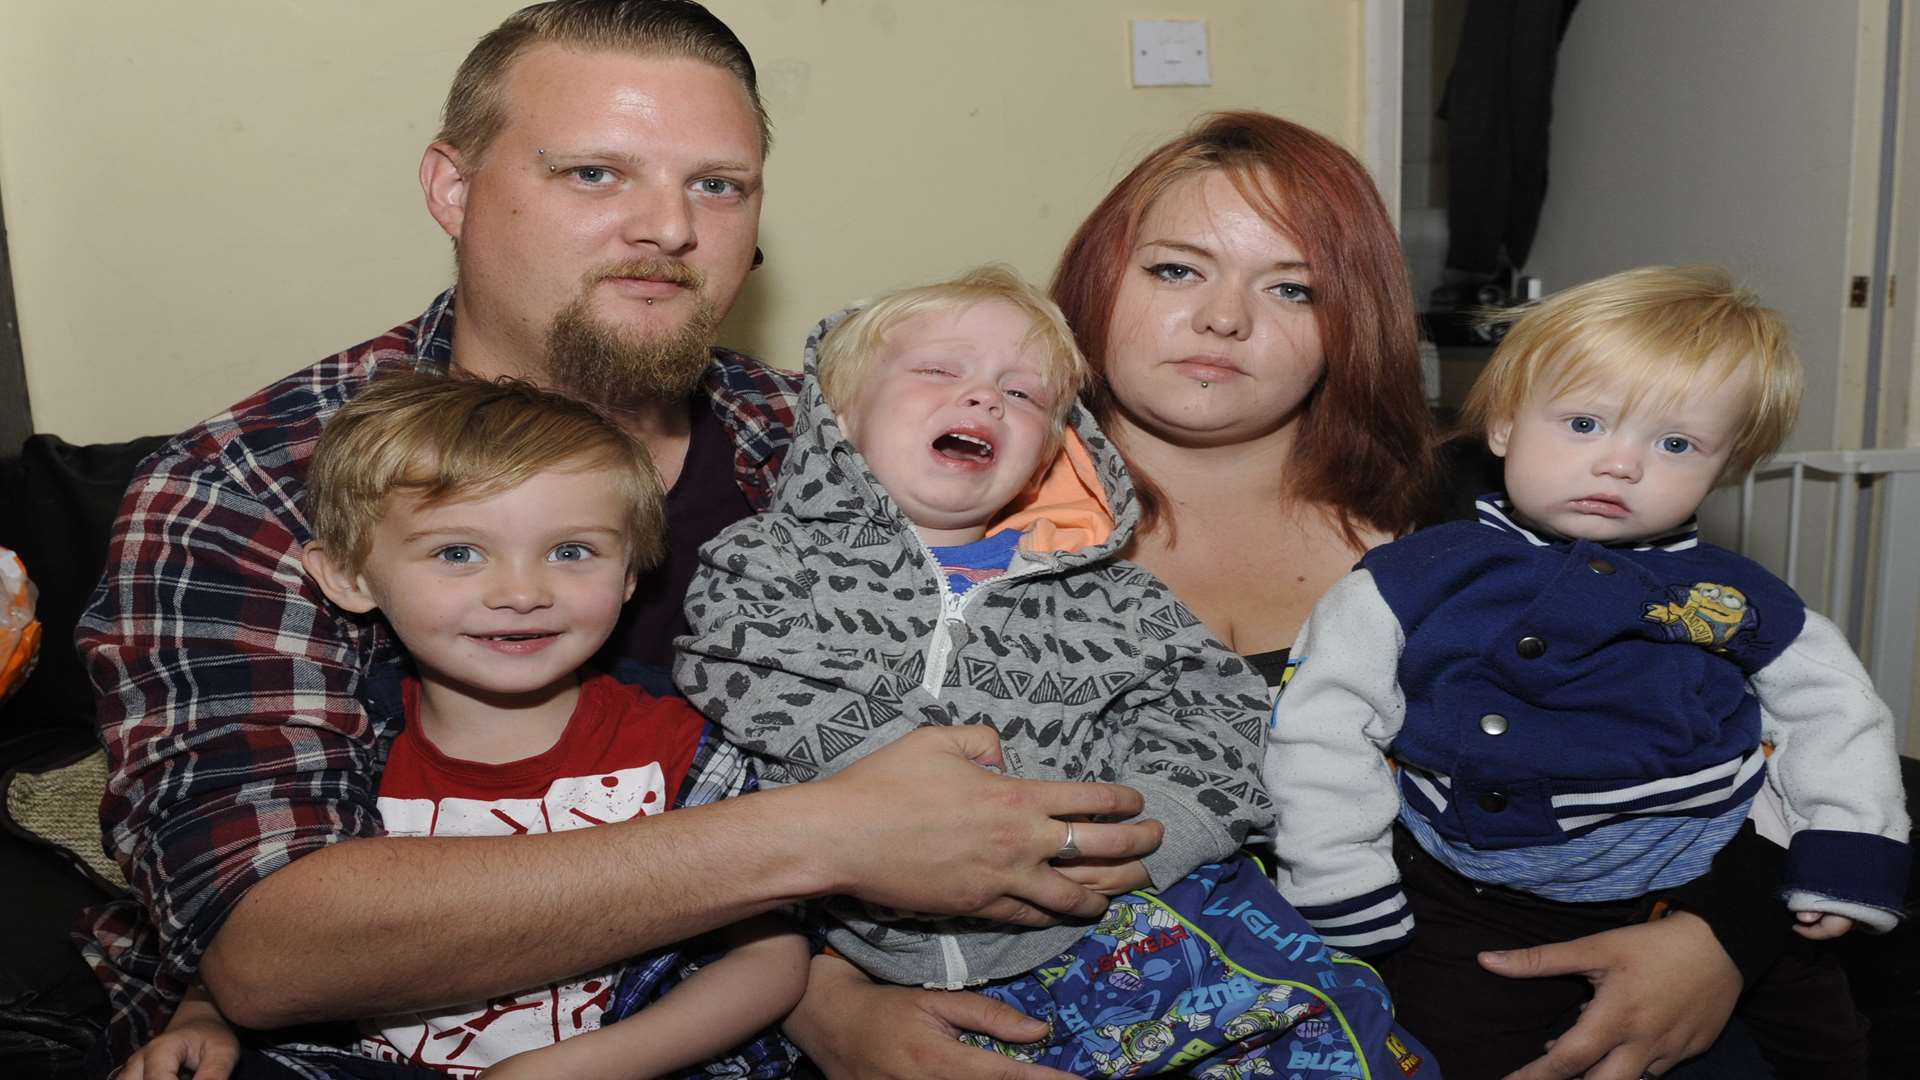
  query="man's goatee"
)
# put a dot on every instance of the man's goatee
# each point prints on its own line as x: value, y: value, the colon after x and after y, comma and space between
x: 603, y: 364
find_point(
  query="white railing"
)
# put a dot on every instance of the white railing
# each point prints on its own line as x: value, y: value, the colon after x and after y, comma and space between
x: 1893, y: 582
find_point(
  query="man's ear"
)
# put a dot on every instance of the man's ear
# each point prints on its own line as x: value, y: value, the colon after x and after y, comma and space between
x: 1498, y: 433
x: 443, y: 179
x: 348, y: 592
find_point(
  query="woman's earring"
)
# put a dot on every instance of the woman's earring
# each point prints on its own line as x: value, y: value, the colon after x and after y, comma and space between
x: 758, y: 256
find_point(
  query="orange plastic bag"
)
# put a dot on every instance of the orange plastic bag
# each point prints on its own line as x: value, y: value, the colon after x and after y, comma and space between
x: 19, y: 630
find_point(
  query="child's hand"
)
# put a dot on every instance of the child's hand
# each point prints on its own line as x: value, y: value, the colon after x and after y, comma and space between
x: 1108, y: 877
x: 1815, y: 926
x: 202, y: 1049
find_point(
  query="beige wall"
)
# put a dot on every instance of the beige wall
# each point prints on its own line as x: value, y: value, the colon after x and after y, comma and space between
x: 202, y: 197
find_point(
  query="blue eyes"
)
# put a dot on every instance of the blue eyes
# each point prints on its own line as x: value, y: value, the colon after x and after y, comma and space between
x: 603, y: 177
x: 1179, y: 273
x: 469, y: 555
x: 1670, y: 444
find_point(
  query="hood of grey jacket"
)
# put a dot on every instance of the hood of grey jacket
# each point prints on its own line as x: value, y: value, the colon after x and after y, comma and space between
x: 826, y: 479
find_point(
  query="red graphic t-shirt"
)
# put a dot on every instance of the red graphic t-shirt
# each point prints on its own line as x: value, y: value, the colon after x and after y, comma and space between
x: 623, y: 754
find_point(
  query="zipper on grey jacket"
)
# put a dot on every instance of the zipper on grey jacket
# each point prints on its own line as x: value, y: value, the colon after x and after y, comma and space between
x: 953, y: 609
x: 956, y: 962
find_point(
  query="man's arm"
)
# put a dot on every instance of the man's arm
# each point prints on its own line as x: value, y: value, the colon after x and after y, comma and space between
x: 227, y: 698
x: 465, y: 918
x: 240, y: 801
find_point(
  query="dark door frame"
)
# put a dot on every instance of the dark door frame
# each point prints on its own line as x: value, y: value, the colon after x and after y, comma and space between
x: 16, y: 413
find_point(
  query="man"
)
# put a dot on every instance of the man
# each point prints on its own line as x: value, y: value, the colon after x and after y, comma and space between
x: 600, y: 175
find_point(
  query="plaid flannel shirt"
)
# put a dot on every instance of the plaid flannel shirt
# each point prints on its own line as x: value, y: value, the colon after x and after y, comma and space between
x: 232, y: 699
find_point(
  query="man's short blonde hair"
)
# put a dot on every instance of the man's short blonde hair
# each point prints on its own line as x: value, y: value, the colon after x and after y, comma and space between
x: 849, y: 352
x: 476, y: 107
x: 1657, y: 330
x: 445, y: 438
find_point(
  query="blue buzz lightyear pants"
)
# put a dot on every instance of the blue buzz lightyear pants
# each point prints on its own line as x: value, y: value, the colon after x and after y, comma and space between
x: 1218, y: 978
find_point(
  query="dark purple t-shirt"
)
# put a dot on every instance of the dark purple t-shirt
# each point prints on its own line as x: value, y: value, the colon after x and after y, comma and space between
x: 703, y: 501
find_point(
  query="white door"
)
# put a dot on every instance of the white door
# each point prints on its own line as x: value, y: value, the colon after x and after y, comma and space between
x: 1741, y: 132
x: 1754, y: 134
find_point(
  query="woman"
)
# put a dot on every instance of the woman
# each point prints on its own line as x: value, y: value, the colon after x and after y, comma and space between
x: 1242, y: 299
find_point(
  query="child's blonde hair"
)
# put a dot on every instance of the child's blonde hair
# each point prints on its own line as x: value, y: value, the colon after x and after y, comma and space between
x: 449, y: 437
x: 1657, y: 330
x: 851, y: 349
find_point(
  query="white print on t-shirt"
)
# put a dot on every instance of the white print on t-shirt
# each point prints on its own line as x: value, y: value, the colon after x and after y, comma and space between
x: 463, y: 1040
x: 571, y: 802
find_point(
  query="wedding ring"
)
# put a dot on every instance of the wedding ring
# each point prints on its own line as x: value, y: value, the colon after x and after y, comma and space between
x: 1068, y: 850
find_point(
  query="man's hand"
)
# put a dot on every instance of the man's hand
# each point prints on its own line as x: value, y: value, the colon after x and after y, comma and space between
x: 918, y: 1030
x: 1661, y: 993
x: 1108, y: 877
x: 920, y: 825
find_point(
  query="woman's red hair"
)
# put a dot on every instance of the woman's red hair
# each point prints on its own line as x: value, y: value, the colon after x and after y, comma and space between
x: 1364, y: 447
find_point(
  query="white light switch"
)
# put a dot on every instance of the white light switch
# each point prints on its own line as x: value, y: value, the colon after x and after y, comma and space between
x: 1170, y: 52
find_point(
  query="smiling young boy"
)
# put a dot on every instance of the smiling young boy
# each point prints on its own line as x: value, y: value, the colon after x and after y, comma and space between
x: 497, y: 529
x: 1574, y: 689
x: 912, y: 572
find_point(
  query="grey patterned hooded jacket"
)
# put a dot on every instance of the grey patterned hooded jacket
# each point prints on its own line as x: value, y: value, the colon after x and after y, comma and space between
x: 823, y: 629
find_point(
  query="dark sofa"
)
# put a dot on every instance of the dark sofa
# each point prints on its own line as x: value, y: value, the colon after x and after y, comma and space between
x: 57, y: 503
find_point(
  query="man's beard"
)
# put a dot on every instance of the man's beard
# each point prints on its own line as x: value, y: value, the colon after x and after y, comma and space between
x: 595, y: 362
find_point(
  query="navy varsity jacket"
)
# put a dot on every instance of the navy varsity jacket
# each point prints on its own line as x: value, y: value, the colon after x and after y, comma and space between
x: 1582, y: 721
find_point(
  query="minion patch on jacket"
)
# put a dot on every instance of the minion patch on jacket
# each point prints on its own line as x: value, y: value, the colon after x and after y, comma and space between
x: 1704, y: 614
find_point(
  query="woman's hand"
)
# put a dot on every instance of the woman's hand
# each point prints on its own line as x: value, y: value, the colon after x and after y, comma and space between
x: 836, y: 1024
x: 1661, y: 993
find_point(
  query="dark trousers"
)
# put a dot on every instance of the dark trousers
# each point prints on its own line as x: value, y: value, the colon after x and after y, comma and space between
x: 1482, y: 1026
